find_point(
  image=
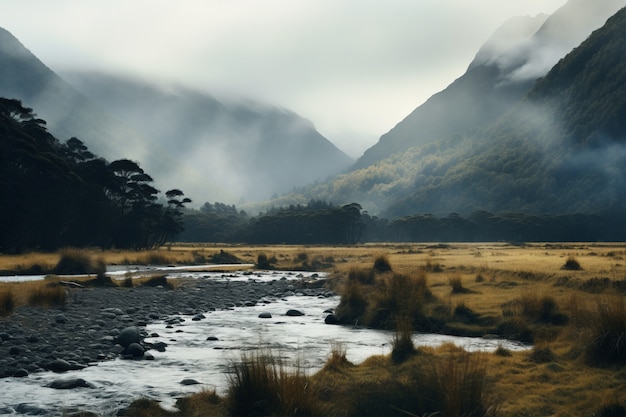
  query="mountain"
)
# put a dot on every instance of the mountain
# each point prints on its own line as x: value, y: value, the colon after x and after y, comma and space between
x: 68, y: 113
x: 560, y: 149
x: 253, y: 150
x: 213, y: 150
x: 518, y: 53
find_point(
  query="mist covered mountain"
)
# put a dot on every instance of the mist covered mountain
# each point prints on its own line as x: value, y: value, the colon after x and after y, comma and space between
x: 68, y: 113
x: 214, y: 150
x: 520, y: 51
x: 559, y: 149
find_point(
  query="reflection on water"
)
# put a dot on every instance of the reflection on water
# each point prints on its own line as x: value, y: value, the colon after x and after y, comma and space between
x: 202, y: 350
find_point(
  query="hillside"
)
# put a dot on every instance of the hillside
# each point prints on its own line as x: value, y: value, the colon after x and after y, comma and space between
x: 212, y: 149
x: 251, y: 150
x: 560, y: 150
x: 518, y: 53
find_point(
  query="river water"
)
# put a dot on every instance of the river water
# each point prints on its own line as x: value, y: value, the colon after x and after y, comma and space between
x: 204, y: 350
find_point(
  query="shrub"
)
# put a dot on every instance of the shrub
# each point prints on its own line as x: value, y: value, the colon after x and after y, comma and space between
x: 260, y: 385
x: 607, y: 333
x: 224, y: 258
x: 263, y: 262
x: 381, y: 264
x: 572, y: 264
x: 74, y: 262
x: 7, y: 302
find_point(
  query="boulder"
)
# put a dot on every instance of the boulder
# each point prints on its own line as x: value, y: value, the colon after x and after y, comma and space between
x: 294, y: 313
x: 135, y: 350
x: 189, y: 381
x: 128, y: 336
x: 331, y: 319
x: 59, y: 365
x: 69, y: 383
x: 265, y: 315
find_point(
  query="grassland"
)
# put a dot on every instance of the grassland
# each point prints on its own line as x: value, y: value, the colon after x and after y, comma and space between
x: 570, y: 297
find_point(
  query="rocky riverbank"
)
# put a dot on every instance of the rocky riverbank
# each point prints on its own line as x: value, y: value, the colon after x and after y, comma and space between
x: 98, y: 324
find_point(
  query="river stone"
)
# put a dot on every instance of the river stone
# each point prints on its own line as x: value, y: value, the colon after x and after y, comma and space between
x: 69, y: 383
x: 20, y: 373
x: 59, y: 365
x: 212, y: 338
x: 128, y: 336
x: 294, y: 313
x: 135, y: 350
x: 265, y: 315
x: 189, y: 381
x: 4, y: 336
x: 61, y: 319
x: 331, y: 319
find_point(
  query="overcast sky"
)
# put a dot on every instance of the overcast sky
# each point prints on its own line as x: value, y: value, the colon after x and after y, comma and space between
x: 355, y: 68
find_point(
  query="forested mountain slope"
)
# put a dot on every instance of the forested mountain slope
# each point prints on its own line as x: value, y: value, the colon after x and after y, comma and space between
x: 560, y: 150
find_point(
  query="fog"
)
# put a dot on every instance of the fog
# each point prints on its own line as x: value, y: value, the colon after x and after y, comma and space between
x: 355, y: 68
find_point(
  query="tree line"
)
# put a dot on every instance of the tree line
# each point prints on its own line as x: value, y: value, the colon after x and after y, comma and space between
x: 56, y: 194
x: 319, y: 222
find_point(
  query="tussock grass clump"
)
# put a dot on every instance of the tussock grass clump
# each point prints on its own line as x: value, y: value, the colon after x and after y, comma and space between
x: 571, y: 264
x: 47, y: 295
x: 402, y: 344
x: 461, y: 383
x: 7, y: 302
x: 382, y: 264
x: 456, y: 285
x: 536, y: 308
x: 607, y: 333
x: 517, y: 329
x: 157, y: 281
x: 397, y: 297
x: 542, y: 354
x: 337, y: 359
x: 352, y: 305
x: 76, y: 261
x: 263, y: 262
x: 260, y: 385
x: 223, y: 257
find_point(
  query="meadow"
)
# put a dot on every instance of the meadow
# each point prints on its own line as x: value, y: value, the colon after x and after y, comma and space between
x: 567, y: 299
